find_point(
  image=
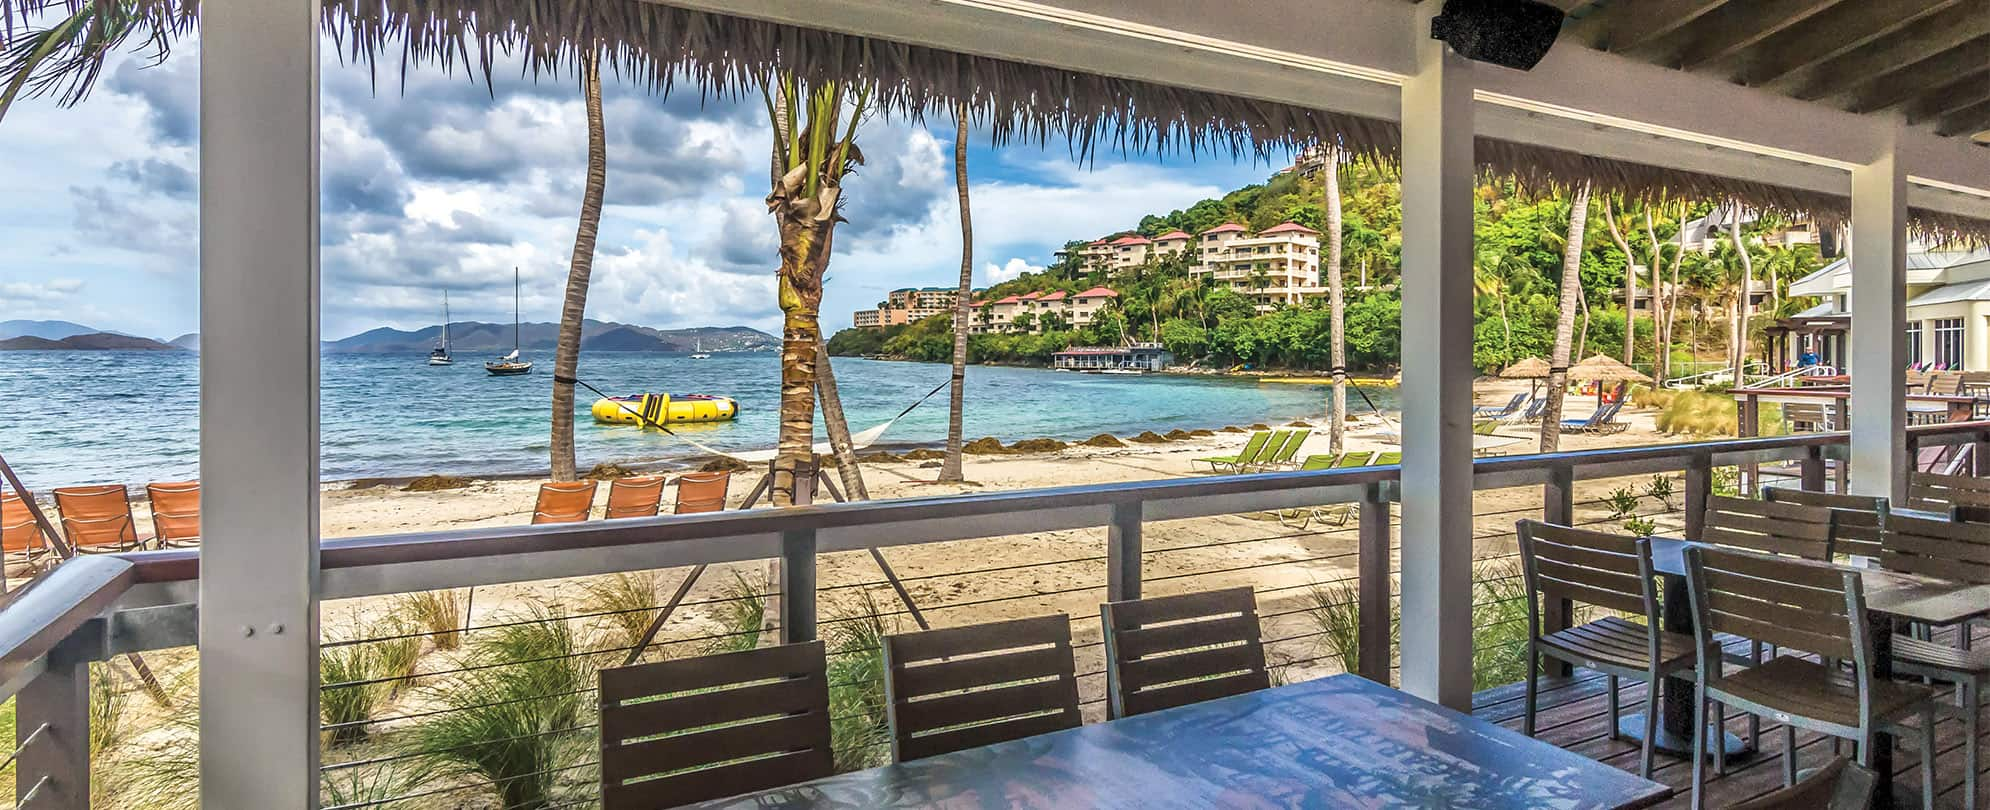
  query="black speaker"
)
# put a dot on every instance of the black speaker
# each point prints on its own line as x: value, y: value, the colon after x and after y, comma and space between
x: 1508, y: 33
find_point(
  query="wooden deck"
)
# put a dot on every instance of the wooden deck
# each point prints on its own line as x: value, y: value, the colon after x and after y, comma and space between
x: 1572, y: 716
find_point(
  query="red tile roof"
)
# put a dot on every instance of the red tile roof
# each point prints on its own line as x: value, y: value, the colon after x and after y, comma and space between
x: 1134, y: 239
x: 1172, y: 236
x: 1097, y: 243
x: 1032, y: 296
x: 1010, y: 300
x: 1288, y: 227
x: 1097, y: 292
x: 1225, y: 228
x: 1056, y: 296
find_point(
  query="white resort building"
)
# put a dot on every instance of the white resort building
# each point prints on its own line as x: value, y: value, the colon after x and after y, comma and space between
x: 1948, y: 310
x: 1279, y: 266
x: 1072, y: 310
x: 903, y: 306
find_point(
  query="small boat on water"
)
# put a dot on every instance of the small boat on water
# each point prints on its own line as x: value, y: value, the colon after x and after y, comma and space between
x: 698, y: 350
x: 643, y: 409
x: 440, y: 355
x: 509, y: 365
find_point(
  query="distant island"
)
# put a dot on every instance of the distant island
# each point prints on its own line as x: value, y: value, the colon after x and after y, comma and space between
x: 465, y: 337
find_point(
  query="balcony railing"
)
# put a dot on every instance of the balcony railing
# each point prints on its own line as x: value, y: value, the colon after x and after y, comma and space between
x: 96, y: 608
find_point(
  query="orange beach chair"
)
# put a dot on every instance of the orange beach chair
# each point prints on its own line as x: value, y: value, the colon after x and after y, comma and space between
x: 563, y: 502
x: 702, y: 492
x: 634, y: 497
x: 97, y: 519
x: 175, y: 512
x: 20, y: 538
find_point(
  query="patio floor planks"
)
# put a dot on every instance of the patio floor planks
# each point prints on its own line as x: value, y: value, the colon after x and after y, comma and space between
x: 1572, y: 716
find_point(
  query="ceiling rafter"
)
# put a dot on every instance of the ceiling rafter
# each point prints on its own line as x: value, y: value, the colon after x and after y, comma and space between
x: 1971, y: 89
x: 1622, y: 26
x: 1835, y: 32
x: 1915, y: 77
x: 1972, y: 119
x: 1727, y: 31
x: 1931, y: 36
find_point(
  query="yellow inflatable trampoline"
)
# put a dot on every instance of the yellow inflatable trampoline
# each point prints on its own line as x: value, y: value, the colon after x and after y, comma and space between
x: 664, y: 409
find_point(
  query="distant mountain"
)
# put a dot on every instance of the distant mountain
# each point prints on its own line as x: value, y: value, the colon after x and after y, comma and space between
x: 475, y: 337
x: 189, y: 341
x: 95, y: 341
x: 51, y: 330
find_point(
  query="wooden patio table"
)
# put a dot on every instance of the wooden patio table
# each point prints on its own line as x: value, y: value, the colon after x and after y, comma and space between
x: 1337, y: 742
x: 1891, y: 597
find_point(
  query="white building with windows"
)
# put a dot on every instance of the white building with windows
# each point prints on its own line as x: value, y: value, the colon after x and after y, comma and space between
x: 1279, y: 266
x: 1948, y: 308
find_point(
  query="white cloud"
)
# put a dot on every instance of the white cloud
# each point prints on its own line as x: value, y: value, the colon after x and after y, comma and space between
x: 52, y: 290
x: 1008, y: 271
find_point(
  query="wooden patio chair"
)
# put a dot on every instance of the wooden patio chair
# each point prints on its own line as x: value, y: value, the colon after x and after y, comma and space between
x: 1917, y: 382
x: 1769, y: 527
x: 97, y: 519
x: 1839, y: 785
x: 1945, y: 384
x: 1612, y: 572
x: 1810, y: 607
x: 702, y: 492
x: 1856, y: 531
x: 1953, y: 551
x: 175, y: 512
x: 1937, y: 493
x: 634, y: 497
x: 563, y: 502
x: 965, y: 687
x: 1175, y: 650
x: 694, y: 729
x: 20, y: 538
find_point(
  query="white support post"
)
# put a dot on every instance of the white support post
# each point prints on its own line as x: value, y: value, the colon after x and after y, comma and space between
x: 1879, y: 326
x: 1437, y: 375
x: 259, y: 403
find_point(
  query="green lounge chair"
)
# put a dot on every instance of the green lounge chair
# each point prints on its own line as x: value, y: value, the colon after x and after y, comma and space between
x: 1320, y: 461
x: 1485, y: 427
x: 1283, y: 456
x: 1386, y: 459
x: 1363, y: 458
x: 1252, y: 447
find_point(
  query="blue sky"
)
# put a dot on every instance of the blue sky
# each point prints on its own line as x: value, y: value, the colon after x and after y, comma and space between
x: 451, y: 184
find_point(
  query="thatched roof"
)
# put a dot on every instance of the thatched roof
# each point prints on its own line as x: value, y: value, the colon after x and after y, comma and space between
x: 657, y: 45
x: 1603, y: 368
x: 1532, y: 368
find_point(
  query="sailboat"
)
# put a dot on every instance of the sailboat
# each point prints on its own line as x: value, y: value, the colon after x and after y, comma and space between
x: 440, y: 355
x: 698, y: 350
x: 509, y: 365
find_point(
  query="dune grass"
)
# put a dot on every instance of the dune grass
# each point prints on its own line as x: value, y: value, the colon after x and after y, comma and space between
x: 1705, y: 413
x: 1499, y: 624
x: 438, y: 612
x: 108, y: 702
x: 741, y: 616
x: 1336, y: 609
x: 858, y: 727
x: 630, y: 601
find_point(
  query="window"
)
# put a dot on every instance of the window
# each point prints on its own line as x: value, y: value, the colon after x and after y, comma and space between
x: 1914, y: 352
x: 1948, y: 343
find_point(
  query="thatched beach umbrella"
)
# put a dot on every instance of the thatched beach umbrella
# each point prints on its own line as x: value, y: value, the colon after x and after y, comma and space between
x: 1532, y: 369
x: 1602, y: 369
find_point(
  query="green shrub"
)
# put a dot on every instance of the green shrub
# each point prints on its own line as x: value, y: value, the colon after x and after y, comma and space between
x: 1661, y: 489
x: 630, y: 602
x: 351, y: 691
x: 742, y: 617
x: 376, y: 785
x: 438, y: 612
x: 1336, y: 609
x: 107, y: 708
x: 858, y: 727
x: 1499, y: 625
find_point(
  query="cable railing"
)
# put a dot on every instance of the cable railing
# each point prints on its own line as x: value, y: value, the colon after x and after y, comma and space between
x: 1327, y: 600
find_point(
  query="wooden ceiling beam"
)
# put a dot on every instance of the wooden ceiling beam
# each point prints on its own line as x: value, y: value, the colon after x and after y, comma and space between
x: 1626, y: 24
x: 1968, y: 91
x: 1925, y: 39
x: 1836, y: 32
x: 1915, y: 76
x: 1727, y: 31
x: 1966, y: 121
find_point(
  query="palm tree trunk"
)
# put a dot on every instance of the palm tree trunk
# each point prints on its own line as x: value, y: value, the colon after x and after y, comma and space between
x: 1551, y: 413
x: 950, y: 467
x: 837, y: 426
x: 1630, y: 283
x: 1661, y: 357
x: 1744, y: 305
x: 804, y: 258
x: 1672, y: 295
x: 1336, y: 304
x: 566, y: 354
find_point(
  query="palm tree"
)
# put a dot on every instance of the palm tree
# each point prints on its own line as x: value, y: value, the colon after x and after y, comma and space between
x: 1489, y: 279
x: 566, y: 353
x: 1336, y: 302
x: 65, y: 59
x: 1572, y: 244
x: 815, y: 139
x: 1611, y: 214
x: 1745, y: 305
x: 950, y: 467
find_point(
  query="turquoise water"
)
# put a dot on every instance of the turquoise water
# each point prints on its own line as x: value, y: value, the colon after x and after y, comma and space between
x: 82, y: 417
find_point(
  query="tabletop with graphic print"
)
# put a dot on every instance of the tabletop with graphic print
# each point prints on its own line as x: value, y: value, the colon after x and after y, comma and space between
x: 1338, y: 742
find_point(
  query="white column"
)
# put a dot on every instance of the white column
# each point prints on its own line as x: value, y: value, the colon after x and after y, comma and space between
x: 259, y: 403
x: 1437, y: 373
x: 1879, y: 326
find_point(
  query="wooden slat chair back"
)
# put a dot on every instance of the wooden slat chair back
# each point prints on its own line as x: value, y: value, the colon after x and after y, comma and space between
x: 1945, y: 384
x: 1859, y: 518
x: 1771, y: 527
x: 1937, y: 492
x: 1839, y: 785
x: 1937, y: 548
x: 1595, y: 568
x: 1917, y: 382
x: 634, y: 497
x: 97, y: 518
x: 1175, y: 650
x: 1804, y: 417
x: 964, y: 687
x: 18, y: 532
x: 694, y: 729
x: 702, y: 492
x: 1965, y: 513
x: 175, y: 511
x: 1785, y: 602
x: 563, y: 502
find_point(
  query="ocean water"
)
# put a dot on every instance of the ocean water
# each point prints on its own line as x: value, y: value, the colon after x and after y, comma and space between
x: 96, y: 417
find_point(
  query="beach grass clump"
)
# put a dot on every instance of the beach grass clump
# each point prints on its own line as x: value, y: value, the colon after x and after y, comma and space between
x: 1103, y: 440
x: 858, y: 726
x: 436, y: 483
x: 375, y: 784
x: 438, y: 612
x: 1178, y: 434
x: 986, y: 446
x: 1709, y: 414
x: 725, y: 464
x: 1499, y: 624
x: 1336, y: 609
x: 353, y: 690
x: 628, y: 603
x: 160, y: 769
x: 399, y: 652
x: 742, y: 614
x: 518, y: 715
x: 1044, y: 445
x: 1150, y: 437
x: 108, y: 702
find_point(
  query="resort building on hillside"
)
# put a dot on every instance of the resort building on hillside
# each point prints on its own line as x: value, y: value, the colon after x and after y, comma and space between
x: 903, y: 306
x: 1705, y: 234
x: 1131, y: 357
x: 1043, y: 310
x: 1279, y: 266
x: 1948, y: 311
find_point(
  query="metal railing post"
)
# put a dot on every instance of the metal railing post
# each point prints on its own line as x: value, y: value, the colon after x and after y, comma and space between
x: 1557, y: 507
x: 1699, y: 485
x: 52, y: 727
x: 1123, y: 553
x: 1750, y: 473
x: 1811, y: 469
x: 797, y: 607
x: 1375, y: 588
